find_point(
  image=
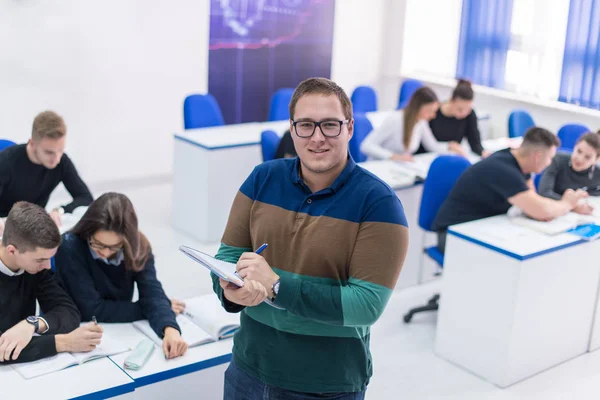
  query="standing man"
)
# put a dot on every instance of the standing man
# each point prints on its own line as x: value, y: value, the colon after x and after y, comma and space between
x: 337, y: 237
x: 30, y: 239
x: 31, y: 171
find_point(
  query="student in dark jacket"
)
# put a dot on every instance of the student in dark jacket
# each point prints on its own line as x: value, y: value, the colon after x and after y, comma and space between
x: 29, y: 241
x: 456, y: 120
x: 578, y: 170
x: 30, y: 172
x: 98, y: 263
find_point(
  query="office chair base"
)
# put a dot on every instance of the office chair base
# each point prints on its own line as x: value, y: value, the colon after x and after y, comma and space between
x: 432, y: 305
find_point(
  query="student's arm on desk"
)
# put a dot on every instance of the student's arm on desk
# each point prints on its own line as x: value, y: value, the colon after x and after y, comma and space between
x: 155, y: 304
x: 75, y: 186
x: 542, y: 208
x: 473, y: 135
x: 374, y: 267
x: 79, y: 283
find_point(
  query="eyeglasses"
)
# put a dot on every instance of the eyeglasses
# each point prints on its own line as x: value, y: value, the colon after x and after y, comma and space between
x: 330, y: 128
x: 96, y: 245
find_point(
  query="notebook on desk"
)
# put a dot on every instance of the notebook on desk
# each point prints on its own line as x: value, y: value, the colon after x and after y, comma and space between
x: 203, y: 321
x: 108, y: 347
x: 556, y: 226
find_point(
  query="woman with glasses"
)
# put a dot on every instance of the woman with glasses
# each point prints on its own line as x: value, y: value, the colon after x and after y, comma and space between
x: 401, y: 134
x: 100, y: 260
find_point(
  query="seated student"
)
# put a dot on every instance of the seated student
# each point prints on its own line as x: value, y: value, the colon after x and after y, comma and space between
x: 286, y: 147
x: 31, y: 171
x: 30, y: 239
x: 400, y: 134
x: 578, y: 170
x: 456, y: 120
x: 101, y: 259
x: 502, y: 180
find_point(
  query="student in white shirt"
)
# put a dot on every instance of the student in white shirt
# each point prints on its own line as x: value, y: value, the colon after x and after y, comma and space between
x: 400, y: 135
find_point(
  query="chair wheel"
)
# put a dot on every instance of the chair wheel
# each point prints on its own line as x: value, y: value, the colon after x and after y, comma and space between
x: 407, y: 318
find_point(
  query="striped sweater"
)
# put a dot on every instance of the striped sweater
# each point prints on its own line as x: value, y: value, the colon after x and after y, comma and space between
x: 338, y: 253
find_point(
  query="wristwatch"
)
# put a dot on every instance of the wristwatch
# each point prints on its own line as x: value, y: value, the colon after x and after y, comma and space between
x: 275, y: 289
x: 35, y: 321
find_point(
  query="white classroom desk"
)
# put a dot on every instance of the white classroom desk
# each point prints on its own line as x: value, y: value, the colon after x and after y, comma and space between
x: 96, y: 379
x: 199, y: 374
x: 210, y: 164
x: 515, y: 302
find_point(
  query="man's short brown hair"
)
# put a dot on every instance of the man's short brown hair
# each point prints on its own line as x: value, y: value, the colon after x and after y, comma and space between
x: 28, y: 227
x: 48, y: 124
x: 540, y: 137
x: 322, y: 86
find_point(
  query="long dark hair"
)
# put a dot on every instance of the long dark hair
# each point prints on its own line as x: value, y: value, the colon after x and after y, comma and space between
x: 114, y: 212
x: 419, y: 98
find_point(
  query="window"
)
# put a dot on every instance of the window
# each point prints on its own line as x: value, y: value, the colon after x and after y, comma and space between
x: 534, y: 59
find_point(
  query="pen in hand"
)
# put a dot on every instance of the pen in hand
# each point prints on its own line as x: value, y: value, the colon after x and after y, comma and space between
x: 94, y: 320
x: 261, y: 248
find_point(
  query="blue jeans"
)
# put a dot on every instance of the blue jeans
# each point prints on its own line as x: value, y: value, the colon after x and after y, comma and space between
x: 241, y: 386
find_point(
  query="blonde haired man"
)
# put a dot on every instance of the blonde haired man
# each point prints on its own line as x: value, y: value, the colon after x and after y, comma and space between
x: 31, y: 171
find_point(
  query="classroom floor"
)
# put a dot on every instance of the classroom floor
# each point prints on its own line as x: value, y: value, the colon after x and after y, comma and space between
x: 405, y: 366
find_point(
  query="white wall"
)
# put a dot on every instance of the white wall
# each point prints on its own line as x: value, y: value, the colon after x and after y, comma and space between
x: 117, y: 71
x: 357, y: 37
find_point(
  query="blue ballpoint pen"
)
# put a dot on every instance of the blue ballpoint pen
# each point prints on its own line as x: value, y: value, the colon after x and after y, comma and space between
x: 261, y: 248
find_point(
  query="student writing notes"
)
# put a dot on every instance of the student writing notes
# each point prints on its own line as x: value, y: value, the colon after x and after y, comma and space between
x: 29, y: 241
x: 502, y: 180
x: 400, y: 135
x: 456, y: 120
x: 101, y: 259
x: 578, y: 170
x: 337, y: 240
x: 30, y: 172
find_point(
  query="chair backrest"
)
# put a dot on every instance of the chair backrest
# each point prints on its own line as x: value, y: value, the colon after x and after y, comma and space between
x: 268, y: 143
x: 362, y: 127
x: 201, y: 111
x: 4, y: 143
x: 569, y: 134
x: 442, y: 175
x: 280, y: 102
x: 519, y: 121
x: 409, y: 86
x: 52, y: 265
x: 364, y: 99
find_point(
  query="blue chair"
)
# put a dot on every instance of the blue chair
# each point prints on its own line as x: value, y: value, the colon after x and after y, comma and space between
x: 268, y: 143
x: 201, y: 111
x: 52, y: 265
x: 569, y: 134
x: 362, y: 127
x: 280, y: 103
x: 409, y: 86
x: 364, y: 99
x: 4, y: 143
x: 519, y: 121
x: 443, y: 174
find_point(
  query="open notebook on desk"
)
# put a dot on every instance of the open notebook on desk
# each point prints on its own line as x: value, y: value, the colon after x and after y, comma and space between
x: 391, y: 173
x: 203, y: 321
x: 558, y: 225
x: 107, y: 347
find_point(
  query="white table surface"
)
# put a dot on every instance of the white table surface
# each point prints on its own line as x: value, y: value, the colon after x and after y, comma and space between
x: 96, y: 379
x: 501, y: 235
x: 158, y: 368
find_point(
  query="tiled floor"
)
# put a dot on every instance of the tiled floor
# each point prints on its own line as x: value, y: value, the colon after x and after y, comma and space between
x: 405, y: 366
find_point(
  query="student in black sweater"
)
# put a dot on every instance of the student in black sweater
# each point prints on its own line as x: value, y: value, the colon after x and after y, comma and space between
x: 29, y: 241
x: 456, y: 120
x: 98, y: 263
x: 31, y: 171
x: 578, y: 170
